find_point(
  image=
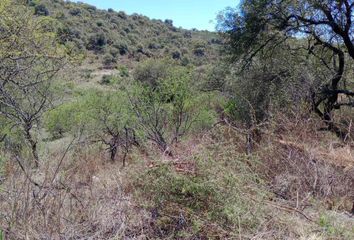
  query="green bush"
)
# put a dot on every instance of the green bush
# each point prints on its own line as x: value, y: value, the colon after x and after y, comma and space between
x: 109, y: 120
x: 63, y: 119
x: 150, y: 72
x: 75, y: 11
x: 165, y: 96
x: 199, y: 52
x: 122, y: 15
x: 176, y: 55
x: 41, y: 10
x: 99, y: 23
x: 109, y: 79
x: 109, y: 61
x: 185, y: 61
x: 97, y: 41
x: 122, y: 46
x: 123, y: 71
x: 208, y: 192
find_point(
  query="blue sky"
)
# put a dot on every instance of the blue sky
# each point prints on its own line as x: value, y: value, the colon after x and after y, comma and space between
x: 184, y: 13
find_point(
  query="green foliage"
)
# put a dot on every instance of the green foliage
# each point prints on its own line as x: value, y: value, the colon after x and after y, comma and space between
x: 110, y: 79
x: 207, y: 192
x: 296, y: 53
x: 109, y: 61
x: 89, y: 112
x: 215, y: 77
x: 41, y: 10
x: 103, y: 117
x: 64, y: 118
x: 123, y: 71
x: 166, y: 102
x: 176, y: 55
x: 75, y: 11
x: 27, y: 70
x: 107, y: 110
x: 99, y: 30
x: 97, y: 41
x: 150, y: 72
x: 185, y: 61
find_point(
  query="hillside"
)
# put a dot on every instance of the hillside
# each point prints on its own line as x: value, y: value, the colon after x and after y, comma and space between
x: 115, y: 36
x: 117, y: 126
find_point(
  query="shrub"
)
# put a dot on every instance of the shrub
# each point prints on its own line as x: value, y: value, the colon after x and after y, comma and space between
x: 169, y: 22
x: 97, y: 41
x: 114, y: 52
x: 187, y: 34
x: 109, y: 61
x: 67, y: 33
x: 99, y: 118
x: 199, y: 52
x: 99, y: 23
x: 86, y: 73
x: 123, y: 71
x: 41, y: 10
x: 109, y: 120
x: 122, y: 15
x: 90, y: 8
x: 176, y: 55
x: 166, y: 104
x: 185, y: 61
x: 150, y: 72
x: 153, y: 45
x: 108, y: 79
x: 75, y: 11
x: 60, y: 15
x: 122, y: 46
x: 202, y: 196
x: 63, y: 119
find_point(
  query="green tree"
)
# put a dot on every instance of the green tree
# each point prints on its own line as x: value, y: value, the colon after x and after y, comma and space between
x: 167, y: 106
x: 150, y: 72
x: 29, y: 59
x: 111, y: 122
x: 322, y: 33
x: 99, y: 117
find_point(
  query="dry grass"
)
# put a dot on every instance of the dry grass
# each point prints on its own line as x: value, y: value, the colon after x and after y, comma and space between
x: 302, y: 163
x: 298, y: 184
x: 84, y: 199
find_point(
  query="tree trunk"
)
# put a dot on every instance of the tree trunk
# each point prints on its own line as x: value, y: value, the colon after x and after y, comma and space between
x: 249, y: 143
x: 3, y: 138
x: 33, y: 144
x: 113, y: 152
x: 164, y: 147
x: 331, y: 94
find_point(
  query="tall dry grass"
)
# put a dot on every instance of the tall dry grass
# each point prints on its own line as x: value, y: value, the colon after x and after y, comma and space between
x: 76, y: 196
x: 296, y: 184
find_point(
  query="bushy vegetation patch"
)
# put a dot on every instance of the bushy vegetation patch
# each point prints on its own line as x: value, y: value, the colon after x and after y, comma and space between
x: 209, y: 197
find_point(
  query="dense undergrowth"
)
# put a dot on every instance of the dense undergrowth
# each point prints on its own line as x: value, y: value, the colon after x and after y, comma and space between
x: 203, y: 197
x: 122, y: 127
x: 209, y: 189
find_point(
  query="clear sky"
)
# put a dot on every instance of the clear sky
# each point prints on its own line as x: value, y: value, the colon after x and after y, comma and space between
x: 188, y: 14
